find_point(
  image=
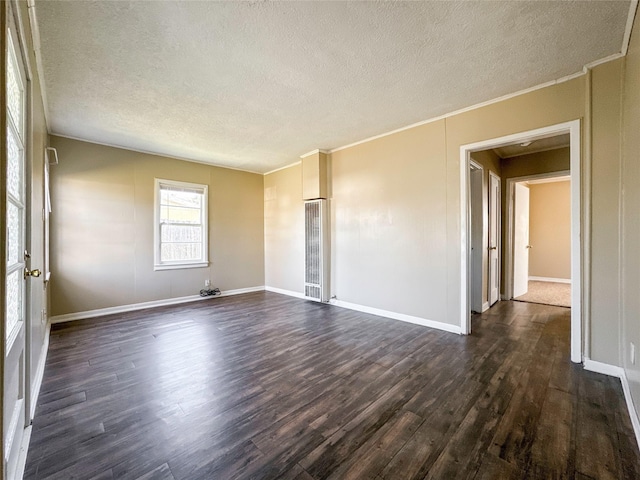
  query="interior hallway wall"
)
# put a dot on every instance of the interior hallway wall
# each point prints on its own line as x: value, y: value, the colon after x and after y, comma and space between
x: 550, y: 230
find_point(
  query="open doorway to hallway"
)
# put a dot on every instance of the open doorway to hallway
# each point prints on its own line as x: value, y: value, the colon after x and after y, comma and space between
x: 546, y: 152
x: 536, y: 204
x: 541, y: 239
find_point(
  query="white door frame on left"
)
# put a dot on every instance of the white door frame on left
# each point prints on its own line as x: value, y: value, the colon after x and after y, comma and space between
x: 573, y: 128
x: 495, y: 215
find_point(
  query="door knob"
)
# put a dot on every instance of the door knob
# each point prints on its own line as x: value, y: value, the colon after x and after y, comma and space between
x: 31, y: 273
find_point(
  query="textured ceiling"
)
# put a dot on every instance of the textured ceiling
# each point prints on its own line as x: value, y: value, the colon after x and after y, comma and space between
x: 254, y: 85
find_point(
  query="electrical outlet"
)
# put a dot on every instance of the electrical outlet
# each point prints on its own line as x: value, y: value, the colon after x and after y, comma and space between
x: 632, y: 353
x: 207, y: 283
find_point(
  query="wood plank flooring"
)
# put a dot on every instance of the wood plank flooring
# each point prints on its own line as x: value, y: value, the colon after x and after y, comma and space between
x: 267, y: 386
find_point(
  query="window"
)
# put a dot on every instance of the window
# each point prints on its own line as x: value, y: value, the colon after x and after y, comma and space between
x: 180, y: 225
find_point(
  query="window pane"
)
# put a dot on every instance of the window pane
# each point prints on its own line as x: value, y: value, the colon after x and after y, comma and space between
x: 180, y: 215
x: 181, y: 233
x: 13, y: 234
x: 14, y: 165
x: 14, y: 91
x: 180, y: 199
x: 14, y: 300
x: 173, y: 252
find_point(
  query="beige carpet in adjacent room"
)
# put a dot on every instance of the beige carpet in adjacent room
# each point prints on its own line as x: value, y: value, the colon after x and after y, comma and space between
x: 548, y: 293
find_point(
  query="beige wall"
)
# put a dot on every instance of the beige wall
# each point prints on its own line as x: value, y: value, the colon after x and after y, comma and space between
x: 630, y: 260
x: 102, y: 228
x: 550, y: 229
x: 606, y: 89
x: 388, y: 206
x: 284, y: 229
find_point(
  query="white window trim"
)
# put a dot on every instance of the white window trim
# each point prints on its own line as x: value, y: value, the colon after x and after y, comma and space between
x: 158, y: 265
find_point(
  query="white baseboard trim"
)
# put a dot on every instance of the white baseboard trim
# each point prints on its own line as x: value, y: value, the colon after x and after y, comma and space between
x: 398, y: 316
x: 239, y: 291
x: 604, y: 368
x: 619, y: 372
x: 69, y: 317
x: 375, y: 311
x: 633, y: 412
x: 282, y: 291
x: 550, y: 279
x: 37, y: 383
x: 485, y: 306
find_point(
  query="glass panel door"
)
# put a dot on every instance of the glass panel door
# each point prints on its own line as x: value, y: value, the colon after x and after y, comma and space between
x: 17, y: 203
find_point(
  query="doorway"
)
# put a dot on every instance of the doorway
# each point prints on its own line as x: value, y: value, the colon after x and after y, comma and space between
x: 540, y: 226
x: 476, y: 197
x: 572, y: 129
x: 485, y: 231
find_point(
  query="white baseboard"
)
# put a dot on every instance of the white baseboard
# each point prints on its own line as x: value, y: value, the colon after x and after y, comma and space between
x: 282, y: 291
x: 619, y: 372
x: 604, y: 368
x: 140, y: 306
x: 485, y: 306
x: 37, y: 383
x: 550, y: 279
x: 398, y: 316
x: 633, y: 412
x: 376, y: 311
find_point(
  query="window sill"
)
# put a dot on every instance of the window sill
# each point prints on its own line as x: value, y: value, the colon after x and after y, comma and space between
x: 179, y: 266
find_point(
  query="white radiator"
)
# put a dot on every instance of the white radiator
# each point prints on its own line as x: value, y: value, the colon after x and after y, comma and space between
x: 316, y: 254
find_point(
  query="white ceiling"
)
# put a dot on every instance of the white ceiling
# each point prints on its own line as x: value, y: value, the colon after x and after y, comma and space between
x: 254, y: 85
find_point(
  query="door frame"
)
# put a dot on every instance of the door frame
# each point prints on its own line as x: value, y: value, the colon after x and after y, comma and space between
x: 498, y: 240
x: 578, y: 252
x: 510, y: 224
x: 473, y: 254
x: 516, y: 202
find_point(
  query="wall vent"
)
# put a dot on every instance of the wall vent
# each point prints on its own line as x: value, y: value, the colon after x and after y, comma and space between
x: 316, y: 272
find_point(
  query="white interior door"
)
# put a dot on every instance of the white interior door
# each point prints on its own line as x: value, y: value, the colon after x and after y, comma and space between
x: 521, y: 240
x: 494, y: 238
x: 16, y: 306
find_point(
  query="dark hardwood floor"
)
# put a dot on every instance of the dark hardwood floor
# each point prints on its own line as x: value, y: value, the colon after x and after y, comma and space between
x: 267, y: 386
